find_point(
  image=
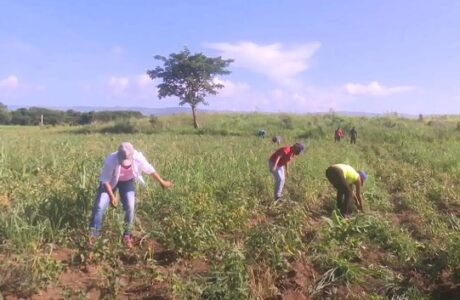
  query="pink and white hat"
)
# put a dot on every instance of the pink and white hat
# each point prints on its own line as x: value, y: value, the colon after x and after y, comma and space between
x: 125, y: 153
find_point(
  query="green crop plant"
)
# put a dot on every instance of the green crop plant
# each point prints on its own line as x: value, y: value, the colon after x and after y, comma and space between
x: 221, y: 212
x: 229, y: 279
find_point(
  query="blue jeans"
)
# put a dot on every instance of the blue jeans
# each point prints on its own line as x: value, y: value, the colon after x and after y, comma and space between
x: 127, y: 195
x: 279, y: 177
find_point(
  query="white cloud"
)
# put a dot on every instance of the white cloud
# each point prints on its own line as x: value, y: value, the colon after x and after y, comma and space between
x: 144, y: 80
x: 280, y: 63
x: 301, y: 100
x: 13, y: 88
x: 278, y: 93
x: 118, y: 84
x: 129, y: 83
x: 11, y: 82
x: 136, y: 89
x: 374, y: 89
x: 231, y: 88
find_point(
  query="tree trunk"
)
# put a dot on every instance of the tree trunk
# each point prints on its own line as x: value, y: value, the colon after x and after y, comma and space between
x: 195, y: 121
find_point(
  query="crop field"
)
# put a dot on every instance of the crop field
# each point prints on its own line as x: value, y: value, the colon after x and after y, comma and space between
x: 217, y: 233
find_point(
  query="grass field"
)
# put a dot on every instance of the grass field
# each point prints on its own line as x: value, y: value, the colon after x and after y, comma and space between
x: 216, y: 234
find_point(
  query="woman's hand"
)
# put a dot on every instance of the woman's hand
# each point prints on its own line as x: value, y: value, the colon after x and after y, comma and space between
x: 166, y: 184
x: 113, y: 201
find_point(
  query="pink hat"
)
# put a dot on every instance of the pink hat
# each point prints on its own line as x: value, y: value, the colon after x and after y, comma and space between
x: 125, y: 153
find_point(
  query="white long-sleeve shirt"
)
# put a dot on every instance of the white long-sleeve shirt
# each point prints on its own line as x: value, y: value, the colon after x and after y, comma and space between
x: 111, y: 169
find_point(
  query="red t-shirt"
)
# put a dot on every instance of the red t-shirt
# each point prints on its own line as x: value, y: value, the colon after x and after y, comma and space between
x: 339, y: 132
x: 285, y: 153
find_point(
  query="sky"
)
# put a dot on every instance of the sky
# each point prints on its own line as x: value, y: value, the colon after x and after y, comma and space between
x: 289, y: 56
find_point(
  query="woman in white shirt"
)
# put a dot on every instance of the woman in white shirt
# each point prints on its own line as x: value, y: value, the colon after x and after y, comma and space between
x: 120, y: 170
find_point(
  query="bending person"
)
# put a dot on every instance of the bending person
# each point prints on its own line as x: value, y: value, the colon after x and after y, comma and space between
x: 278, y: 165
x: 120, y: 170
x: 343, y: 177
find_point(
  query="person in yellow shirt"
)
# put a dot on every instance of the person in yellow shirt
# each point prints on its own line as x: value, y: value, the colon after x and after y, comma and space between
x: 343, y: 177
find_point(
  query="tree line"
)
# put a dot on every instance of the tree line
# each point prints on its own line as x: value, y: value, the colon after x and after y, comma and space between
x: 33, y: 116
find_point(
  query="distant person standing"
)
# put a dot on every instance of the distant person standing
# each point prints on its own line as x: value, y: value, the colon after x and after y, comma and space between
x: 338, y: 134
x: 276, y: 139
x: 120, y: 170
x: 343, y: 177
x: 261, y: 133
x: 278, y: 165
x: 353, y: 135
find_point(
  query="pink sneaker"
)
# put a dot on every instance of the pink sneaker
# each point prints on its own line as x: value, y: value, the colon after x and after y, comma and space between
x: 128, y: 240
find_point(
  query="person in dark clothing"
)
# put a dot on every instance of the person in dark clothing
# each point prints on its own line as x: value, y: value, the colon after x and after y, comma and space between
x: 353, y: 135
x: 261, y: 133
x: 343, y: 177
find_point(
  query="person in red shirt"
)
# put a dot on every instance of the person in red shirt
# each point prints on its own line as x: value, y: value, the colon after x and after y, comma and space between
x: 278, y: 165
x: 338, y: 134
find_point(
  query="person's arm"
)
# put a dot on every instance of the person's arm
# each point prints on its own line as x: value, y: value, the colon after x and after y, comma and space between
x: 106, y: 177
x: 109, y: 191
x: 358, y: 197
x: 164, y: 183
x: 146, y: 167
x: 275, y: 165
x: 287, y: 169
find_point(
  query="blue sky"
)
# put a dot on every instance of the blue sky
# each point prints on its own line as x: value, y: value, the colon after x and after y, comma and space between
x: 290, y: 56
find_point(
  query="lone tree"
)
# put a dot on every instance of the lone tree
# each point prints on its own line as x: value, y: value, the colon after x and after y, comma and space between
x: 189, y: 77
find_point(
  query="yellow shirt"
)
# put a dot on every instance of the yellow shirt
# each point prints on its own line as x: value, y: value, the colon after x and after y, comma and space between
x: 350, y: 174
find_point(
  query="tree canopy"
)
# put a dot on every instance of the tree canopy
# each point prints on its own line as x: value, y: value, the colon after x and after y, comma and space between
x: 32, y: 116
x: 190, y: 77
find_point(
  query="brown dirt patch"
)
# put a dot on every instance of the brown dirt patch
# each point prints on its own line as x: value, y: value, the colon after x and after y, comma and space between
x: 412, y: 223
x: 80, y: 279
x: 294, y: 295
x: 200, y: 267
x: 449, y: 208
x: 49, y: 293
x: 447, y: 292
x: 262, y: 282
x: 372, y: 255
x: 63, y: 255
x: 149, y: 248
x: 154, y: 291
x: 87, y: 280
x: 258, y: 219
x: 445, y: 287
x: 187, y: 268
x: 342, y: 291
x: 5, y: 200
x: 298, y: 280
x: 163, y: 256
x: 77, y: 279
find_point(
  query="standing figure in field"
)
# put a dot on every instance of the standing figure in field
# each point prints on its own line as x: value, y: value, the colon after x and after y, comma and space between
x: 353, y: 135
x: 276, y: 139
x: 338, y: 134
x: 261, y: 133
x: 278, y: 165
x: 120, y: 170
x: 343, y: 177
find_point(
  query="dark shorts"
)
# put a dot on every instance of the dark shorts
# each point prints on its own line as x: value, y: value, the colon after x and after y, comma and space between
x: 344, y: 190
